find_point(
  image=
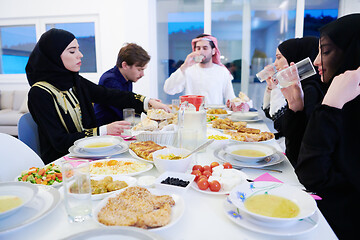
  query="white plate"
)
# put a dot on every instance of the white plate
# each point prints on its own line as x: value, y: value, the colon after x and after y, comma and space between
x: 215, y: 106
x: 133, y: 154
x: 77, y: 152
x: 46, y: 200
x: 264, y: 148
x: 221, y: 192
x: 115, y: 233
x: 235, y: 119
x: 84, y: 142
x: 176, y: 211
x: 25, y: 191
x: 213, y: 131
x: 131, y: 181
x: 148, y: 166
x: 236, y: 141
x: 244, y: 220
x: 220, y: 154
x: 245, y: 115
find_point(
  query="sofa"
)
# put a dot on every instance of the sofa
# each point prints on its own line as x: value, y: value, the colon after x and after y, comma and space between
x: 13, y: 104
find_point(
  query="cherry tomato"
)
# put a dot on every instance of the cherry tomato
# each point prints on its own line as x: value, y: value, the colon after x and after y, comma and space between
x: 207, y: 173
x: 215, y: 186
x: 227, y: 165
x: 207, y: 168
x: 203, y: 184
x: 197, y: 174
x: 198, y: 167
x: 201, y: 177
x: 214, y: 164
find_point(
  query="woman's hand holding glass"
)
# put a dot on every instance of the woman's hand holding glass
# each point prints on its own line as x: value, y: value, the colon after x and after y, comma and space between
x: 343, y: 89
x: 293, y: 93
x: 117, y: 128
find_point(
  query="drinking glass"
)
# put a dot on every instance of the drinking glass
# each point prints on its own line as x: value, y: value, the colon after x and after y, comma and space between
x: 175, y: 103
x: 297, y: 72
x: 267, y: 72
x: 77, y: 189
x: 129, y: 115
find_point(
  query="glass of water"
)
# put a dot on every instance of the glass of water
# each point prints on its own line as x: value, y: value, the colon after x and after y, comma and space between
x: 77, y: 189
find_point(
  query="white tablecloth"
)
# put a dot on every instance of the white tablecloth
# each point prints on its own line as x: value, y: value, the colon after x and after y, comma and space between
x: 204, y: 216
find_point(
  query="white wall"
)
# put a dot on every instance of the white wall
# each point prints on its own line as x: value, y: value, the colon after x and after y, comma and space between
x: 118, y: 22
x: 348, y: 6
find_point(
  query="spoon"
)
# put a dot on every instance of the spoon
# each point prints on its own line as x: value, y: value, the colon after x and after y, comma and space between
x: 200, y: 147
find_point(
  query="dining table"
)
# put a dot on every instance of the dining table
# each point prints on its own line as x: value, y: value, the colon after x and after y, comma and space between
x: 204, y: 215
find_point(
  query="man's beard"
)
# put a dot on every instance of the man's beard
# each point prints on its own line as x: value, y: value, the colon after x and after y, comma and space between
x: 206, y: 60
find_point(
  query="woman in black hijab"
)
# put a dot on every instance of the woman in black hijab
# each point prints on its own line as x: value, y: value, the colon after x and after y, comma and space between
x: 60, y: 100
x: 329, y: 159
x: 288, y: 123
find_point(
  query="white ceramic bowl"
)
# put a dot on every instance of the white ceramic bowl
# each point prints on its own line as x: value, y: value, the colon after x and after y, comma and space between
x: 25, y: 191
x: 265, y: 148
x: 173, y: 188
x: 179, y: 165
x: 305, y: 202
x: 89, y: 144
x: 244, y: 115
x: 130, y: 181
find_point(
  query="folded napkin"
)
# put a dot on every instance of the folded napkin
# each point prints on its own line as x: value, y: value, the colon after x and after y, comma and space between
x: 266, y: 177
x: 74, y: 158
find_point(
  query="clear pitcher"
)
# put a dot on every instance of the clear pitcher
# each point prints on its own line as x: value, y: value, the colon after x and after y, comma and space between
x: 192, y: 116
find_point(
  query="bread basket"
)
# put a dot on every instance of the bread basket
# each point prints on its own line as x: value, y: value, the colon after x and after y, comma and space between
x: 159, y: 137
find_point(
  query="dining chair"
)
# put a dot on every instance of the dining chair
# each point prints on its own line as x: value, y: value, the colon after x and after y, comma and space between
x: 15, y: 157
x: 28, y: 132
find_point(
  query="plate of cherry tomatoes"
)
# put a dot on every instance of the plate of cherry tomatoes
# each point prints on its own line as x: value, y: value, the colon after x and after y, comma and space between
x: 216, y: 178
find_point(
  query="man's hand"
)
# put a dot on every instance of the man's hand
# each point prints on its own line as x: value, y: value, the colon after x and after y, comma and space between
x: 117, y: 128
x: 157, y: 104
x: 343, y: 89
x: 189, y: 61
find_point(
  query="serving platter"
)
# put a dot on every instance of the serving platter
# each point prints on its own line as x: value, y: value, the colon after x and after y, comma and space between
x: 177, y: 210
x: 146, y: 168
x: 129, y: 233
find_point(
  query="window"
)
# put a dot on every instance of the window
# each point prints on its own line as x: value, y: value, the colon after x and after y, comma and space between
x: 17, y: 42
x: 178, y: 23
x: 318, y: 14
x: 85, y: 34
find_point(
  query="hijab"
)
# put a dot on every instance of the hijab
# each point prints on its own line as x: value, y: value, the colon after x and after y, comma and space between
x: 45, y: 64
x: 345, y: 34
x: 297, y: 49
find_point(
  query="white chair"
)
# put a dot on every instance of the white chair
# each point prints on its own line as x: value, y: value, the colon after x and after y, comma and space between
x: 28, y: 132
x: 15, y: 156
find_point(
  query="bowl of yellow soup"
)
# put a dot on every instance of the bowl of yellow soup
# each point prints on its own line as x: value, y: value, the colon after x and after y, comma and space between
x: 249, y: 152
x: 97, y: 143
x: 272, y: 202
x: 15, y: 195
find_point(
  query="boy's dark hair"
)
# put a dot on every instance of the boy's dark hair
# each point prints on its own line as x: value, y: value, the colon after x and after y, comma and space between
x: 132, y: 54
x: 212, y: 45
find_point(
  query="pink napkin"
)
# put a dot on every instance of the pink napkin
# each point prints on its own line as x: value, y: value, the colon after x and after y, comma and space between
x: 266, y: 177
x: 73, y: 158
x: 124, y: 136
